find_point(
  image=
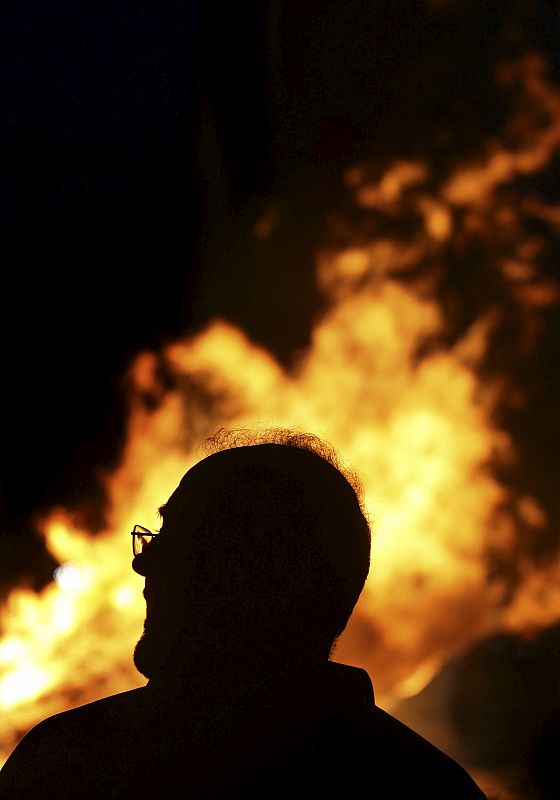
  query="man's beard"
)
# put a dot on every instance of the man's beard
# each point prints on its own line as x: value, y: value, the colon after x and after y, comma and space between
x: 153, y: 650
x: 144, y: 656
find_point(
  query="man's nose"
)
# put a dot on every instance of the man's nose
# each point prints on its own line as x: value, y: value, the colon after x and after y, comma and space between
x: 142, y: 563
x: 138, y: 564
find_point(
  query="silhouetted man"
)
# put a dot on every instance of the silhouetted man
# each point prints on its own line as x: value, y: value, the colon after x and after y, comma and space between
x: 262, y: 555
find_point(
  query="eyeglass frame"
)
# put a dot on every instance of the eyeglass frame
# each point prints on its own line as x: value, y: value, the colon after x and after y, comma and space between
x: 139, y: 533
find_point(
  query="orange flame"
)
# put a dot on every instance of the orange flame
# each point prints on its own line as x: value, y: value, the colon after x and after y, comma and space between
x: 416, y: 422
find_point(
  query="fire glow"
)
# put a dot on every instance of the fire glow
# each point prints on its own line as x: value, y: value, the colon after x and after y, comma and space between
x: 380, y: 381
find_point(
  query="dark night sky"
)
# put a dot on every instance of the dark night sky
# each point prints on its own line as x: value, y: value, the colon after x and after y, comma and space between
x: 139, y: 144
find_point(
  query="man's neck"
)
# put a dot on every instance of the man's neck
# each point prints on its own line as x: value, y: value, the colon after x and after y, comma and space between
x: 204, y: 679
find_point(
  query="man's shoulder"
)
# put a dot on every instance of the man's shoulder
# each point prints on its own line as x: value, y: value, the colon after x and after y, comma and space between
x: 370, y: 740
x: 43, y: 755
x: 107, y: 710
x: 49, y: 743
x: 372, y: 737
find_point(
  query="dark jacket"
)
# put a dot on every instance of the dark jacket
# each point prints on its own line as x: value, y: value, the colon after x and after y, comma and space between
x: 314, y: 734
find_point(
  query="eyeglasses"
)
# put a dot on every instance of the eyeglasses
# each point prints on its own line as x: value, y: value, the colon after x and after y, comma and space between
x: 141, y: 538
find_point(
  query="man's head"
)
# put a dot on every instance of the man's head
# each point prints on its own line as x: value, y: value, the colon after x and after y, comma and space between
x: 264, y: 544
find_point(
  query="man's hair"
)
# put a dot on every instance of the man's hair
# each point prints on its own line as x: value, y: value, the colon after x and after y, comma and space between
x: 297, y: 531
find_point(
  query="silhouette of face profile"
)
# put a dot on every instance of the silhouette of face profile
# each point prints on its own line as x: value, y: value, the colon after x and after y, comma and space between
x: 173, y: 593
x: 261, y: 543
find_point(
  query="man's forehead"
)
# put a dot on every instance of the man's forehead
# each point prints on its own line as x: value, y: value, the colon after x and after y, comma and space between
x: 205, y: 481
x: 190, y: 494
